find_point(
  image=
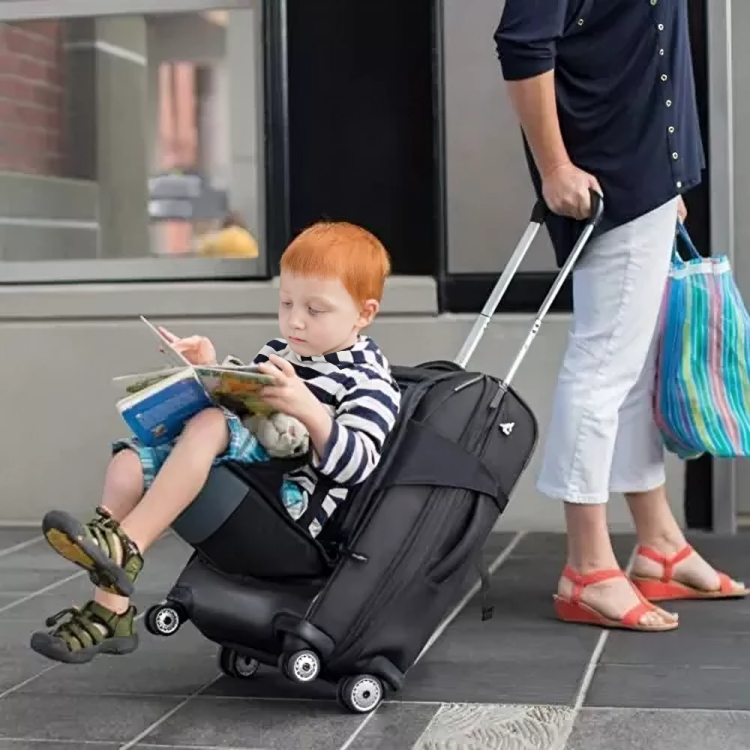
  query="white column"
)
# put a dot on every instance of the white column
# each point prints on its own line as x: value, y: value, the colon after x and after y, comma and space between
x: 246, y: 117
x: 721, y: 95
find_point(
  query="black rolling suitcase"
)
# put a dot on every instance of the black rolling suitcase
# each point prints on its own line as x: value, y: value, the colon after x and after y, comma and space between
x: 395, y: 558
x: 416, y: 528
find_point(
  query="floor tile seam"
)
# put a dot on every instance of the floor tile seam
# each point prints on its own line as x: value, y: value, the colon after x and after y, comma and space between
x: 278, y: 699
x: 438, y: 709
x: 675, y: 665
x: 655, y: 709
x: 20, y: 546
x: 115, y: 744
x: 73, y: 743
x: 39, y: 592
x: 168, y: 714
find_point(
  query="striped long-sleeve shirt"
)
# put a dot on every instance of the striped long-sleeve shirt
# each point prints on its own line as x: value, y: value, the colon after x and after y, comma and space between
x: 357, y: 386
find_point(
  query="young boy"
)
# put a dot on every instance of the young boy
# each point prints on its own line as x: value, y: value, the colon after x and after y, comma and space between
x: 327, y: 374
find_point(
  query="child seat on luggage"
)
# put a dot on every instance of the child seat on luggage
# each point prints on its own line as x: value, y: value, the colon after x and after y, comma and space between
x: 357, y: 605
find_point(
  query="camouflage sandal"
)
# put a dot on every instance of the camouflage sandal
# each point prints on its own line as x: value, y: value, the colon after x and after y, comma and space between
x: 99, y: 546
x: 85, y: 633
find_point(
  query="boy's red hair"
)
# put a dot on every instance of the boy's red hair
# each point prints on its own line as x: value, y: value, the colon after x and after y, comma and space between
x: 340, y: 250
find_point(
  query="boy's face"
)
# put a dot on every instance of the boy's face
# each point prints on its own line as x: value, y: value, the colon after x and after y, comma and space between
x: 318, y: 316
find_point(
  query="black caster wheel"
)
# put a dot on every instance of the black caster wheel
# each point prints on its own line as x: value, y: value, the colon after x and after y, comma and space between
x: 234, y: 664
x: 163, y: 619
x: 301, y: 666
x: 361, y: 694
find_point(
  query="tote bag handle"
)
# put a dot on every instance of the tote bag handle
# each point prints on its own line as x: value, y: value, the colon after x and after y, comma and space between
x: 682, y: 234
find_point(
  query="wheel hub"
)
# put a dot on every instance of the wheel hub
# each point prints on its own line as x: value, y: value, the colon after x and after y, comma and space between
x: 305, y: 667
x: 365, y: 694
x: 167, y: 621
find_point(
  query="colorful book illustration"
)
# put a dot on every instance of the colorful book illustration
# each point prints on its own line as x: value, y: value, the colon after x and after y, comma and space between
x: 156, y: 405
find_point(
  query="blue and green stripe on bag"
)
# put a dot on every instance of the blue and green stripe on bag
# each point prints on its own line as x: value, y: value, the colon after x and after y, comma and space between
x: 702, y: 389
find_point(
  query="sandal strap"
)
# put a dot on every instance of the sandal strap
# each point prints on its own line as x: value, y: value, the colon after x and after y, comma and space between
x: 667, y: 563
x: 726, y: 584
x: 105, y: 537
x: 632, y: 617
x: 115, y: 543
x: 83, y: 628
x: 581, y: 581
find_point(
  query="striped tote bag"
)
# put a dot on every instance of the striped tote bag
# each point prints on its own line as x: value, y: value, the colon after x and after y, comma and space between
x: 702, y: 389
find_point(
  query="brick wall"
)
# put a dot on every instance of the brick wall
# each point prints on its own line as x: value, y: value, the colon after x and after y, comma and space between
x: 32, y: 98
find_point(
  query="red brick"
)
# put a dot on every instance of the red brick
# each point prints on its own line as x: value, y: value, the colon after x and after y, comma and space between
x: 32, y: 101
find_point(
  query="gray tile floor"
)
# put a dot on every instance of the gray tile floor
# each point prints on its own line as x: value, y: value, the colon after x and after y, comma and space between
x: 521, y: 681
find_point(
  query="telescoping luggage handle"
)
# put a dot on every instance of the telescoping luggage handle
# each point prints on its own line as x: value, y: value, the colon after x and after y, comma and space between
x: 538, y: 217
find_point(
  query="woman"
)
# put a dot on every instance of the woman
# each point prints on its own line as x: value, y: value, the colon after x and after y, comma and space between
x: 605, y: 96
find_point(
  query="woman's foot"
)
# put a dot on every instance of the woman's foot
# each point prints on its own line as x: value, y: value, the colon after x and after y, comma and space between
x: 99, y: 546
x: 86, y: 632
x: 664, y: 571
x: 608, y: 594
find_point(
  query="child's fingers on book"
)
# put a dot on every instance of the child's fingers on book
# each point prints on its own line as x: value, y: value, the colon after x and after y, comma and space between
x: 269, y: 368
x: 284, y: 365
x: 271, y: 394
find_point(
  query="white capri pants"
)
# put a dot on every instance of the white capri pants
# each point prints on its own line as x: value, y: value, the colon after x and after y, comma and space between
x: 602, y: 437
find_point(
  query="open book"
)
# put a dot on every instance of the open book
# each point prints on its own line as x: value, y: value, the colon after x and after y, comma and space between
x: 156, y: 405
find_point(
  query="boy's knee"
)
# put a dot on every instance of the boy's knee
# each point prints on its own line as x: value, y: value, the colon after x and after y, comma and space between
x: 125, y: 469
x: 208, y: 425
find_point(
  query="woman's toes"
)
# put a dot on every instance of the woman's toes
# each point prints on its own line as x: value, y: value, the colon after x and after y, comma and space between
x: 658, y: 616
x: 668, y: 616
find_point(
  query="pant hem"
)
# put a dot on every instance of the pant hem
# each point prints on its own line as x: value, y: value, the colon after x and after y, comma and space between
x: 643, y: 487
x: 572, y: 497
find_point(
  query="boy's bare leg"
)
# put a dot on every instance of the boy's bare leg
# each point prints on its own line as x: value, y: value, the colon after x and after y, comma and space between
x: 112, y: 551
x: 123, y: 490
x: 106, y: 624
x: 110, y: 548
x: 179, y: 480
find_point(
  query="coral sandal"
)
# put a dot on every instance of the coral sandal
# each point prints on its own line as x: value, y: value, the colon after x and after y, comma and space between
x: 574, y: 610
x: 667, y: 589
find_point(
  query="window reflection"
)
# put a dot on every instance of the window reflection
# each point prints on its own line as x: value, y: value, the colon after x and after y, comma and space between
x: 130, y: 137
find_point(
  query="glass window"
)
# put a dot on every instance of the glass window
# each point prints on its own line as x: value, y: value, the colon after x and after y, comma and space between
x: 489, y: 194
x: 127, y: 142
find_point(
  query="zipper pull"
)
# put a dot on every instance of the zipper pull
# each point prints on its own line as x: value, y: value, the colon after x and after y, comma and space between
x: 352, y: 554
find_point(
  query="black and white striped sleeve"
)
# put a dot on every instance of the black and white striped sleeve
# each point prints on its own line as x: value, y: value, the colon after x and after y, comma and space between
x: 363, y: 419
x: 275, y: 346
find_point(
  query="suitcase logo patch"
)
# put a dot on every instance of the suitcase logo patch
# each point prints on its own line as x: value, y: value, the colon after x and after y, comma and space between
x: 507, y: 427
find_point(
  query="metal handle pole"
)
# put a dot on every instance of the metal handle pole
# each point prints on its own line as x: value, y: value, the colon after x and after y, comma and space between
x: 538, y: 217
x: 481, y: 323
x: 548, y: 300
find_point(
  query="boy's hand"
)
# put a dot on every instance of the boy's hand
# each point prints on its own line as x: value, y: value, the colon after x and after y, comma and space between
x: 198, y: 350
x: 289, y: 394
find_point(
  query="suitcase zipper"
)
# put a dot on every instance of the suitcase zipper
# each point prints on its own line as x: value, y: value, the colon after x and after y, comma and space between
x: 423, y: 526
x: 352, y: 516
x: 354, y: 513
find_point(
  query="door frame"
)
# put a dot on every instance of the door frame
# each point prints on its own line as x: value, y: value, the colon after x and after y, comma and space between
x: 721, y: 198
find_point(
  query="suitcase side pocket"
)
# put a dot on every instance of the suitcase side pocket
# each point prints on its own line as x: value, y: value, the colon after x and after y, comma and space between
x: 456, y: 558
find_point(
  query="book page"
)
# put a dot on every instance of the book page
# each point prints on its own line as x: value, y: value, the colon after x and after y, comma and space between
x: 129, y: 384
x: 174, y: 357
x: 236, y: 389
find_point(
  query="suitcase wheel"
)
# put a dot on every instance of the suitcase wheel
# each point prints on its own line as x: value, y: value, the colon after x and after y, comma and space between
x: 234, y: 664
x: 164, y: 619
x: 361, y: 694
x: 301, y: 666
